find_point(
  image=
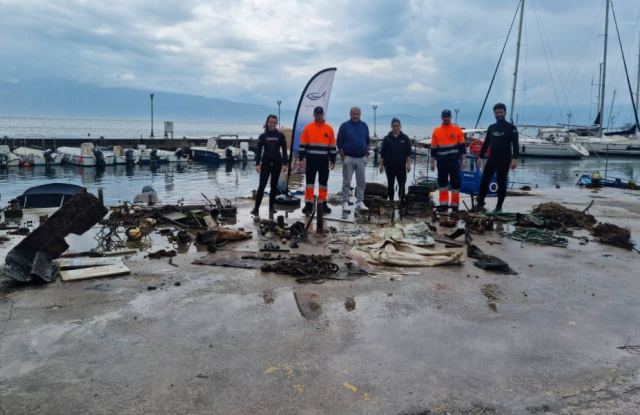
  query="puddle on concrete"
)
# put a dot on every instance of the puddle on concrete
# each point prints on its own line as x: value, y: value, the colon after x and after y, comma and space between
x: 308, y: 303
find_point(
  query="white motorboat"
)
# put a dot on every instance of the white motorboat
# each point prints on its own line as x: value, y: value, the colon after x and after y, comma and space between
x: 37, y: 157
x: 113, y: 155
x: 471, y: 134
x: 173, y: 156
x: 211, y: 153
x: 7, y: 158
x: 155, y: 155
x: 422, y: 147
x: 86, y: 155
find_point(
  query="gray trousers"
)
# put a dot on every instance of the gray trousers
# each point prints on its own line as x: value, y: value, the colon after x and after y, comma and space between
x: 349, y: 165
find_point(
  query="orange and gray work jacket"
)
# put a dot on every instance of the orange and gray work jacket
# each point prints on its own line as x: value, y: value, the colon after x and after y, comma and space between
x: 447, y: 142
x: 317, y: 140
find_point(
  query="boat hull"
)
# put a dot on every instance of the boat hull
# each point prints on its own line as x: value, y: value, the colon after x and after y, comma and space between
x: 205, y: 155
x: 78, y: 160
x: 552, y: 150
x: 614, y: 149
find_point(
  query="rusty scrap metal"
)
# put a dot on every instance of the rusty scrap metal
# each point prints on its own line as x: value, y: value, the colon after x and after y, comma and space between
x: 33, y: 255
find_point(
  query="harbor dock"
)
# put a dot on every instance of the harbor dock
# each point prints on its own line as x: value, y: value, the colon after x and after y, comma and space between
x: 560, y: 336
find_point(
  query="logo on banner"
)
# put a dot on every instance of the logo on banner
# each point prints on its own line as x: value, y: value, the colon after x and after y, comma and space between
x: 314, y: 96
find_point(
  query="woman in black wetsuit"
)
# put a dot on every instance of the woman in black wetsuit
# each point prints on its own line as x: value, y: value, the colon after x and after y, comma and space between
x: 271, y: 159
x: 395, y: 158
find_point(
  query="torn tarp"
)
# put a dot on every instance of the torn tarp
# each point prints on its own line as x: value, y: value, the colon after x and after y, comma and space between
x: 391, y: 252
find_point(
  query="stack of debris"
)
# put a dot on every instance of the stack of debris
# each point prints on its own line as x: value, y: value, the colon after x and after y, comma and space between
x: 556, y: 216
x: 611, y: 234
x: 33, y: 256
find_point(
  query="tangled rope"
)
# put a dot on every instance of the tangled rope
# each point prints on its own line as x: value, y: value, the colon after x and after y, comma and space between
x: 538, y: 236
x: 306, y: 268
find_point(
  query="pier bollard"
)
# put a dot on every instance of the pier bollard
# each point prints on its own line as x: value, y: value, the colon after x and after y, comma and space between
x: 101, y: 195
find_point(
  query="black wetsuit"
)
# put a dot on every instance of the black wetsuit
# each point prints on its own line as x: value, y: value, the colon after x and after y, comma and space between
x: 394, y: 152
x: 502, y: 143
x: 270, y: 155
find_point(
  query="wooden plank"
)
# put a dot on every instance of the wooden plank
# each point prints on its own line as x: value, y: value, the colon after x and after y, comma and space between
x: 211, y: 224
x: 94, y: 272
x: 74, y: 263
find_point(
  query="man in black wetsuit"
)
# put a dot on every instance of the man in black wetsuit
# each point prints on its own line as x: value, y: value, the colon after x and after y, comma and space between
x: 502, y: 143
x: 271, y: 158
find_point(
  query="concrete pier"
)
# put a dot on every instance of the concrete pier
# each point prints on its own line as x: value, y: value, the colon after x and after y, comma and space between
x: 208, y: 340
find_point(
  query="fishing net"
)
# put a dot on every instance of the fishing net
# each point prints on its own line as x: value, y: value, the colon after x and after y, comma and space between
x: 556, y: 216
x: 611, y: 234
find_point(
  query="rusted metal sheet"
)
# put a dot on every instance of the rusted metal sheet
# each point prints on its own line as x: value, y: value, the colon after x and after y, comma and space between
x: 33, y: 255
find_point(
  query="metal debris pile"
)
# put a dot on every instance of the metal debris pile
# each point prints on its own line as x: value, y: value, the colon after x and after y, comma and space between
x: 306, y: 268
x: 476, y: 222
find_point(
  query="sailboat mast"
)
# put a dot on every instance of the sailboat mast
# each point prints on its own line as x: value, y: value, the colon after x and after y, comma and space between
x: 515, y: 72
x: 604, y: 65
x: 638, y: 85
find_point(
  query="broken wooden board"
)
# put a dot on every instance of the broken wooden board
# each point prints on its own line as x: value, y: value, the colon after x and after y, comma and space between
x: 95, y: 272
x: 74, y: 263
x: 210, y: 222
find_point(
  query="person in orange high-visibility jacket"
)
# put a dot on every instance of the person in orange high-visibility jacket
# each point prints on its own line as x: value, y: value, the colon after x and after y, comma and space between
x: 317, y: 152
x: 448, y: 149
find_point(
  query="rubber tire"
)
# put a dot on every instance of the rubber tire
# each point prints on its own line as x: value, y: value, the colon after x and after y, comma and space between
x: 284, y: 200
x: 375, y: 189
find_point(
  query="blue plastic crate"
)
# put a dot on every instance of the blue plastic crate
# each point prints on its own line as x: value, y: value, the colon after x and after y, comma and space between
x: 471, y: 177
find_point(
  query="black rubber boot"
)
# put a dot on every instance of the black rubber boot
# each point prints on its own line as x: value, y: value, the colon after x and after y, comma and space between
x: 325, y: 208
x: 308, y: 208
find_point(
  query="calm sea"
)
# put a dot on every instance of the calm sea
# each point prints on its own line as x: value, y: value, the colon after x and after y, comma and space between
x: 188, y: 181
x: 176, y: 181
x: 134, y: 128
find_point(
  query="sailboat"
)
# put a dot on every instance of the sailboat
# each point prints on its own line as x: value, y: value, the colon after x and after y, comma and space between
x: 543, y: 144
x: 552, y: 143
x: 606, y: 143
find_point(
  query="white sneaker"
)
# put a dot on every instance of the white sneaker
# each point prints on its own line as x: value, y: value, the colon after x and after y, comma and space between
x: 361, y: 207
x: 346, y: 207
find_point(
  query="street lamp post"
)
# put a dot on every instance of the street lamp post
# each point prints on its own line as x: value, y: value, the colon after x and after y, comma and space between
x: 151, y: 96
x: 279, y: 122
x: 375, y: 133
x: 456, y: 110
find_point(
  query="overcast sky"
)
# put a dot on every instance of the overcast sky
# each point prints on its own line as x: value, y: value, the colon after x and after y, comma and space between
x: 408, y: 56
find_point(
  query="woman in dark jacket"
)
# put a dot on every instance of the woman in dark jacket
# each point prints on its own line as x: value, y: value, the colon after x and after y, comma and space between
x: 271, y: 158
x: 395, y: 158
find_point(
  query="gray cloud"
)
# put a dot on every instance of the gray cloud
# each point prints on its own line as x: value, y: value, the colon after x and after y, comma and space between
x: 410, y: 56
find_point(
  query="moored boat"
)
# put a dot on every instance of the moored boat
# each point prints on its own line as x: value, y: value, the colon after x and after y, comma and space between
x: 37, y: 157
x: 48, y: 195
x: 7, y: 158
x: 86, y: 155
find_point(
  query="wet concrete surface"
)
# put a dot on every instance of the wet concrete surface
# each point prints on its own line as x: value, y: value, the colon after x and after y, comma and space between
x: 210, y: 340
